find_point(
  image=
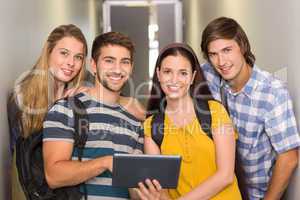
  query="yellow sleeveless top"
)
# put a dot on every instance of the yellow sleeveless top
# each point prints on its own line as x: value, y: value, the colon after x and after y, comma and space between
x: 197, y: 151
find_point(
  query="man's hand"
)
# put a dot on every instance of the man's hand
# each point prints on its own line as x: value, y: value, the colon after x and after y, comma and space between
x: 283, y: 169
x: 108, y: 162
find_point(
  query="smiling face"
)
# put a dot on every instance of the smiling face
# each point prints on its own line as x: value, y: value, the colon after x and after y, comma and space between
x: 113, y: 67
x: 227, y: 59
x: 66, y: 59
x: 175, y: 76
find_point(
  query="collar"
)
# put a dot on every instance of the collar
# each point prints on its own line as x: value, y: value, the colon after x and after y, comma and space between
x: 249, y: 87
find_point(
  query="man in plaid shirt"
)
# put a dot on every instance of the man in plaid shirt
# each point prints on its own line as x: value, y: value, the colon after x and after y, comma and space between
x: 259, y: 105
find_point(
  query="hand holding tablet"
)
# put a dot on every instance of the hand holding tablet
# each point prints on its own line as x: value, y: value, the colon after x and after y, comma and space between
x: 130, y: 169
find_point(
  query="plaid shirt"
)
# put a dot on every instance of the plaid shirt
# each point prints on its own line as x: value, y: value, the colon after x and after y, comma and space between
x: 263, y: 115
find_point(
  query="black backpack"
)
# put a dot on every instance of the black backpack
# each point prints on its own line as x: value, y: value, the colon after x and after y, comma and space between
x: 30, y: 165
x: 203, y: 115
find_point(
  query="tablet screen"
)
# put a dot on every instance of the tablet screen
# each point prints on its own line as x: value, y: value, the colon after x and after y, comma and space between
x: 130, y: 169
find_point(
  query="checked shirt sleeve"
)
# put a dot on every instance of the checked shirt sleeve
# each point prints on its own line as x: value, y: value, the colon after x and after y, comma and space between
x: 280, y: 123
x: 213, y: 80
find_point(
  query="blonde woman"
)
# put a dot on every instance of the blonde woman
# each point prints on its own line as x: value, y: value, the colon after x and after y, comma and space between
x: 59, y: 72
x: 60, y: 66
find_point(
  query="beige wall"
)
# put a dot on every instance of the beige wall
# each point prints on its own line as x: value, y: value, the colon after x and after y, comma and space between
x: 273, y: 29
x: 271, y: 25
x: 24, y: 27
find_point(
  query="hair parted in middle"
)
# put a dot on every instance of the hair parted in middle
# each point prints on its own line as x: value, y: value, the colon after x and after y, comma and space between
x: 35, y: 92
x: 199, y: 88
x: 227, y: 28
x: 112, y: 38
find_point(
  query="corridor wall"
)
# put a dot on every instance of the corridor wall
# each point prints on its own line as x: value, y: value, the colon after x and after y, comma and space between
x: 273, y: 29
x: 25, y: 26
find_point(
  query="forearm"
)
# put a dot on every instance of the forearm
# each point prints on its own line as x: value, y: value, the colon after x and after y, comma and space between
x: 67, y: 173
x: 282, y: 172
x: 209, y: 188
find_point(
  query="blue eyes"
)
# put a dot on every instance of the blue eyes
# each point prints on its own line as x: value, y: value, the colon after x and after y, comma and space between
x: 76, y: 57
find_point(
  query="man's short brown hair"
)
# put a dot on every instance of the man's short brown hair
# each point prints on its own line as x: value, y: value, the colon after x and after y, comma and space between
x: 226, y: 28
x: 111, y: 38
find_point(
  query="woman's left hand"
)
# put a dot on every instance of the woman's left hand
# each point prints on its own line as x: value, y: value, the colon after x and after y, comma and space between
x: 152, y: 190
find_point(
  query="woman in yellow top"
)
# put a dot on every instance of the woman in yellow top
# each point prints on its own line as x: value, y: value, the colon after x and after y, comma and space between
x: 207, y: 168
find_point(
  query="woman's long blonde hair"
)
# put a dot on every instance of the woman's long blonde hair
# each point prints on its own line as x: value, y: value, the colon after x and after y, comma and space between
x: 34, y: 94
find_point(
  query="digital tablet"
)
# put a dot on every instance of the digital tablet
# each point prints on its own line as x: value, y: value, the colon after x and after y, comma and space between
x: 130, y: 169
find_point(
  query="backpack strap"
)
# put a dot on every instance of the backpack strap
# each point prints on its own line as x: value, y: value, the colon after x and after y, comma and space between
x: 224, y: 98
x: 81, y: 128
x: 81, y: 124
x: 203, y: 115
x: 157, y: 128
